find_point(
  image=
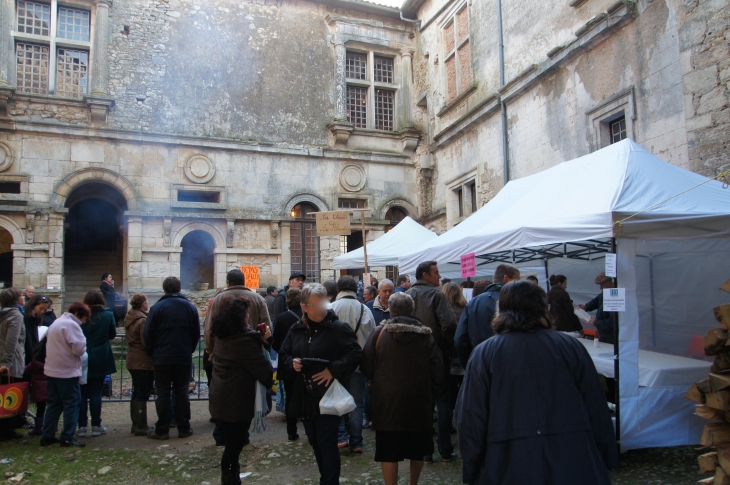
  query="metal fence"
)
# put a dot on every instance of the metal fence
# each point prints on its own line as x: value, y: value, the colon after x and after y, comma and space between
x: 120, y: 387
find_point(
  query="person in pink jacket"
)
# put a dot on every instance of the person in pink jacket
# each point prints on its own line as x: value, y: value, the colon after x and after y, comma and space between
x: 64, y: 347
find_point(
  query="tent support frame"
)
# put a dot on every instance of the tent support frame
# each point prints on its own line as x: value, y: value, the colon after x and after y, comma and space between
x: 615, y: 318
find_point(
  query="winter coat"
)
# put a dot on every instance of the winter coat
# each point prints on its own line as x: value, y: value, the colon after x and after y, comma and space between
x: 137, y: 358
x: 329, y: 339
x: 406, y: 370
x: 12, y: 341
x: 99, y: 330
x: 280, y: 303
x: 109, y: 295
x: 65, y: 346
x: 532, y: 410
x: 38, y: 381
x: 257, y: 310
x: 432, y: 309
x: 283, y: 323
x: 379, y: 313
x: 270, y: 299
x: 475, y: 325
x: 172, y: 330
x: 348, y: 309
x: 562, y: 311
x: 604, y: 321
x: 31, y: 324
x: 48, y: 318
x: 239, y: 362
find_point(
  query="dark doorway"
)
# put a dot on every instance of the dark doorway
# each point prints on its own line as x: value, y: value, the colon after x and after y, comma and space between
x: 304, y: 245
x: 6, y: 258
x: 197, y: 261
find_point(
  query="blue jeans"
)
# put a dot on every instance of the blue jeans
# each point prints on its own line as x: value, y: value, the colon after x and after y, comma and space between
x: 64, y: 396
x: 91, y: 393
x: 356, y: 385
x: 444, y: 417
x: 322, y: 435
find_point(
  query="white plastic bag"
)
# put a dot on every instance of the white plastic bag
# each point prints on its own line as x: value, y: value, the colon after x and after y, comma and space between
x: 84, y: 379
x: 336, y: 401
x: 261, y: 409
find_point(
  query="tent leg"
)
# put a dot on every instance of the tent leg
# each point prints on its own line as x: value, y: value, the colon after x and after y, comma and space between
x: 547, y: 276
x: 615, y: 321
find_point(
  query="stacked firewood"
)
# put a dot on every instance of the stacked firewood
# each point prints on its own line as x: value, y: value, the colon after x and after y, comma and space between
x: 712, y: 396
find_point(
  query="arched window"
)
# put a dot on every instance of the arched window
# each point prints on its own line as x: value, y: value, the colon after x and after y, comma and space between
x: 304, y: 243
x: 395, y: 215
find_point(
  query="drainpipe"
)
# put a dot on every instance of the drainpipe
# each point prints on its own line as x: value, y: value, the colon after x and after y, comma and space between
x: 416, y: 22
x: 503, y: 106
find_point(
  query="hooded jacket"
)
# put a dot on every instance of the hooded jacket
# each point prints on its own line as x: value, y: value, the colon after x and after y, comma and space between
x: 137, y: 358
x: 330, y: 339
x: 172, y: 331
x: 405, y: 366
x: 12, y: 341
x: 432, y: 309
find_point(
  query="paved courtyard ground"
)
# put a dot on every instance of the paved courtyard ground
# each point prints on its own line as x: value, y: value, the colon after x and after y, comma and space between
x: 120, y: 458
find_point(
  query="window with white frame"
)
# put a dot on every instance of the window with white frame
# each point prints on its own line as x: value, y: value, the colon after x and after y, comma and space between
x: 371, y: 90
x: 52, y: 47
x: 457, y: 54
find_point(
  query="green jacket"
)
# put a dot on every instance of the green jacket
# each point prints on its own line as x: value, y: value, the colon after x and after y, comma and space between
x: 99, y: 330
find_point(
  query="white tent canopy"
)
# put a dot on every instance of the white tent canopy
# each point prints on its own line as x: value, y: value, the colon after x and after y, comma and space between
x: 385, y: 250
x: 671, y: 260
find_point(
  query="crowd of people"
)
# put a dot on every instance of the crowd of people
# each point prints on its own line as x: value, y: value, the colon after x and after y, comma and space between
x: 494, y: 370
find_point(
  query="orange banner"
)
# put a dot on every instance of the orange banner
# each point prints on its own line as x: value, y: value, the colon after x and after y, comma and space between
x: 251, y: 273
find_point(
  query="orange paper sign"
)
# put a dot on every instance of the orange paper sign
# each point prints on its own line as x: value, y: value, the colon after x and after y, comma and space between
x: 251, y: 273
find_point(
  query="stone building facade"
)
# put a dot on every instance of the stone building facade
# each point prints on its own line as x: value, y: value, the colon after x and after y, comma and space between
x: 150, y: 138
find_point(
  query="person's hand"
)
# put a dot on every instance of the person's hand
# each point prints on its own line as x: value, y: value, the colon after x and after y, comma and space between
x: 582, y: 307
x: 324, y: 377
x: 592, y: 321
x: 297, y: 365
x: 4, y: 370
x: 267, y: 334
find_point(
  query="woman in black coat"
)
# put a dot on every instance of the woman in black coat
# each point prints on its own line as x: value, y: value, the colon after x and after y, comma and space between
x: 561, y: 306
x: 238, y: 362
x: 32, y: 319
x: 284, y: 321
x: 531, y: 408
x: 319, y: 335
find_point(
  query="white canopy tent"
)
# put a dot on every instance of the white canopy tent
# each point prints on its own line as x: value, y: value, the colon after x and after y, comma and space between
x: 671, y: 260
x: 406, y: 236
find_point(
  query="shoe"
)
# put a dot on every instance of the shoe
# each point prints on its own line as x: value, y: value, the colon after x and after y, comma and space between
x: 185, y: 434
x: 342, y: 445
x: 82, y: 432
x: 49, y: 441
x: 98, y: 430
x: 230, y: 477
x: 367, y: 424
x: 293, y: 437
x: 71, y: 442
x: 428, y: 459
x: 356, y: 450
x: 448, y: 458
x: 154, y: 436
x: 12, y: 435
x: 35, y: 432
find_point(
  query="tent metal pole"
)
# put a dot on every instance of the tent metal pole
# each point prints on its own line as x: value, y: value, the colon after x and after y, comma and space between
x: 547, y: 275
x: 615, y: 321
x: 653, y: 311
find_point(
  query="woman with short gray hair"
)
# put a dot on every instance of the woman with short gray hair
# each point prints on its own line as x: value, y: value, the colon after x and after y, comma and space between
x: 318, y: 349
x: 405, y: 366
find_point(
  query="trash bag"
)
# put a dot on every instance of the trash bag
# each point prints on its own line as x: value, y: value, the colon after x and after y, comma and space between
x: 336, y: 401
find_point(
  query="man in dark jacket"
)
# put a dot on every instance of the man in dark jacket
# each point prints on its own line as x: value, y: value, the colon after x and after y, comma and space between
x: 475, y: 325
x: 432, y: 308
x: 296, y: 280
x: 379, y: 306
x: 270, y: 298
x: 107, y: 289
x: 603, y: 321
x: 171, y: 336
x: 404, y: 283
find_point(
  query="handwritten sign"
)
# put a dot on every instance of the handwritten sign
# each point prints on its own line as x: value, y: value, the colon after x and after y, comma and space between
x: 334, y: 223
x: 610, y: 265
x: 468, y: 265
x: 251, y: 275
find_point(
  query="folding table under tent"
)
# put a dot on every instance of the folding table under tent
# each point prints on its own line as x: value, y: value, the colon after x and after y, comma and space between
x: 672, y: 258
x: 406, y: 236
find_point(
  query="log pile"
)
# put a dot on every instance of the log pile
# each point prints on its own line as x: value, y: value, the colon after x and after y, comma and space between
x: 712, y: 396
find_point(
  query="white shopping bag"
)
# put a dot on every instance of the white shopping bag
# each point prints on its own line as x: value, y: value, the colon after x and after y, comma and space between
x: 336, y: 401
x: 84, y: 379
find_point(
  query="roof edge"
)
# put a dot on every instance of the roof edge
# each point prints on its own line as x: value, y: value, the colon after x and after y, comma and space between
x: 363, y: 6
x: 410, y: 8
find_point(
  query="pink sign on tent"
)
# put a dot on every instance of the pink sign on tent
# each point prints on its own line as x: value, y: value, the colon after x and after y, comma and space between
x: 468, y: 265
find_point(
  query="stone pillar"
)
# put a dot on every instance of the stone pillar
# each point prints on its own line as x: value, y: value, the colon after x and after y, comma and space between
x: 406, y: 107
x: 340, y: 81
x: 100, y: 73
x: 220, y: 270
x: 285, y: 257
x: 7, y: 64
x: 134, y: 253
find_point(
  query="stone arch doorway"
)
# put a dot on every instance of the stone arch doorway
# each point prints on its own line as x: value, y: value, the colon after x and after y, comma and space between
x: 304, y: 243
x: 6, y: 258
x: 197, y: 262
x: 94, y: 241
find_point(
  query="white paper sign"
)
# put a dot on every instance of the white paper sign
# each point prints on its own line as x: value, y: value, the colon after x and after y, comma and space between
x: 468, y: 293
x: 614, y: 300
x: 611, y: 265
x: 53, y: 281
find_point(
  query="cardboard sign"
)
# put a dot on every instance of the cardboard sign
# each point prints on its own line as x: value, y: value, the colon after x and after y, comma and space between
x: 610, y: 265
x: 468, y: 265
x: 333, y: 223
x: 366, y: 281
x: 53, y: 281
x: 614, y: 300
x: 251, y: 273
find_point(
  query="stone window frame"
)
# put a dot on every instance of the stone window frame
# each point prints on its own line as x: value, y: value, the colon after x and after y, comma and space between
x: 54, y: 43
x: 600, y: 117
x: 369, y: 83
x: 451, y: 19
x: 464, y: 183
x: 222, y: 203
x: 22, y: 197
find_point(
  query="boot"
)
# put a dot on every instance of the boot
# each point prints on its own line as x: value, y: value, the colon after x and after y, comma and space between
x: 38, y: 426
x: 133, y: 416
x: 237, y: 474
x: 229, y: 477
x: 139, y: 422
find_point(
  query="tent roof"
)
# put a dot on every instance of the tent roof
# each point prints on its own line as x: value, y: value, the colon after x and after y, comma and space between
x: 580, y: 200
x: 406, y: 236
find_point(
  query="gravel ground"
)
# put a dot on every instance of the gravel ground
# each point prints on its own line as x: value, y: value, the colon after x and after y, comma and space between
x: 120, y: 458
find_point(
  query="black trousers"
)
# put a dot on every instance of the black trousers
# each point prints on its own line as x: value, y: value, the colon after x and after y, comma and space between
x: 173, y: 378
x: 291, y: 418
x: 236, y: 438
x: 322, y: 434
x: 143, y: 382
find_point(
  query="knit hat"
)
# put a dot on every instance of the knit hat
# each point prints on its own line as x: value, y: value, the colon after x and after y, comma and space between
x: 602, y: 278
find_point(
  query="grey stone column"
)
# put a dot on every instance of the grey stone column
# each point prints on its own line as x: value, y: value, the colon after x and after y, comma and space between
x: 7, y: 57
x: 340, y: 81
x: 100, y: 73
x: 406, y: 108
